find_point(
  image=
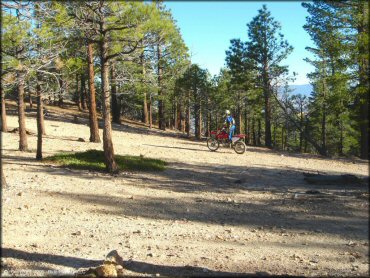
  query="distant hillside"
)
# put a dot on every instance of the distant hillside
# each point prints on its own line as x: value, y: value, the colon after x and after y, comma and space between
x: 304, y: 89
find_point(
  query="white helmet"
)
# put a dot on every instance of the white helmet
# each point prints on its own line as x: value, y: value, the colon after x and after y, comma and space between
x: 227, y: 112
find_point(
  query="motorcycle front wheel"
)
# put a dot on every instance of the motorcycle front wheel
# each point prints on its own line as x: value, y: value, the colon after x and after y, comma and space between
x: 212, y: 144
x: 239, y: 147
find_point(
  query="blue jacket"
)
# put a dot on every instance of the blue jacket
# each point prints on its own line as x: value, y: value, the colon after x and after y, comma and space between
x: 230, y: 121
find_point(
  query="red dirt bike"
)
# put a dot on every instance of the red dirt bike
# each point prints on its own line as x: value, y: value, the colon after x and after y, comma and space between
x: 222, y: 137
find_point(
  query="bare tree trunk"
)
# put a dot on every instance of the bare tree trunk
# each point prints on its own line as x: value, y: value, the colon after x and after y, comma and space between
x: 246, y: 125
x: 209, y: 118
x: 305, y: 136
x: 110, y: 162
x: 4, y: 125
x: 78, y: 95
x: 82, y: 92
x: 238, y: 120
x: 254, y: 132
x: 116, y: 109
x: 145, y: 105
x: 40, y: 119
x: 150, y: 113
x: 30, y: 97
x: 216, y: 121
x: 145, y: 110
x: 187, y: 119
x: 341, y: 137
x: 61, y: 91
x: 93, y: 117
x: 363, y: 71
x: 161, y: 108
x: 274, y: 134
x: 259, y: 133
x: 178, y: 117
x: 301, y: 131
x: 267, y: 94
x: 23, y: 146
x: 198, y: 118
x: 323, y: 128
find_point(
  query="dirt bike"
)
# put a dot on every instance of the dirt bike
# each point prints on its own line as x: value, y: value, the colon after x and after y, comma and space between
x: 221, y: 137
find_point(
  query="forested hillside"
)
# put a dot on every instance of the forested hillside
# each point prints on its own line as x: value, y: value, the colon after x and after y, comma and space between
x: 128, y: 59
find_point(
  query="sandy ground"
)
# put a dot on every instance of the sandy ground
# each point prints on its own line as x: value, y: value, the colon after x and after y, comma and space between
x: 208, y: 213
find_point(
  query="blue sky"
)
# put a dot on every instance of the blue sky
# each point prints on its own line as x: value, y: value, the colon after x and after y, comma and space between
x: 207, y: 28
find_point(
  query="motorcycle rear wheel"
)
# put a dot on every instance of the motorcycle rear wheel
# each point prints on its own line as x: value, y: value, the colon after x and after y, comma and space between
x: 239, y: 147
x: 213, y: 144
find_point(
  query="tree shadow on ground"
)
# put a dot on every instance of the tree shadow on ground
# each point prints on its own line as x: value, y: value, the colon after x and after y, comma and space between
x: 330, y: 216
x: 188, y: 271
x: 48, y: 258
x: 281, y: 153
x: 273, y: 205
x: 179, y: 148
x: 131, y: 265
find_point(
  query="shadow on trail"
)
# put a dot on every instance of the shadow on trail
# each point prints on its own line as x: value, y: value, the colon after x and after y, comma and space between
x: 271, y: 206
x: 208, y: 188
x: 131, y: 265
x: 187, y: 271
x: 48, y: 258
x: 180, y: 148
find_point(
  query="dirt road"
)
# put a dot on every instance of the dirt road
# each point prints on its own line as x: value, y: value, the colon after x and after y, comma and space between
x: 209, y: 213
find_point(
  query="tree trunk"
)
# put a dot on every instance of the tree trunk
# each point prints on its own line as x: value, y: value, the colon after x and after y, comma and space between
x: 197, y: 120
x: 199, y: 123
x: 4, y: 125
x: 78, y: 95
x: 259, y: 133
x: 323, y: 127
x: 363, y: 70
x: 187, y: 119
x: 267, y: 94
x: 23, y: 146
x: 274, y: 134
x: 179, y: 118
x: 40, y: 119
x: 267, y: 119
x: 150, y: 113
x: 145, y: 105
x: 305, y: 136
x: 287, y: 135
x: 341, y: 138
x: 93, y: 117
x: 116, y: 111
x: 161, y: 108
x: 254, y: 131
x: 82, y: 92
x: 246, y: 126
x: 301, y: 131
x: 238, y: 120
x: 61, y: 92
x: 208, y: 130
x: 292, y: 120
x: 110, y: 162
x: 30, y: 97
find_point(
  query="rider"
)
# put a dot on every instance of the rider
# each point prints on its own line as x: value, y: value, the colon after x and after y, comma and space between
x: 230, y: 122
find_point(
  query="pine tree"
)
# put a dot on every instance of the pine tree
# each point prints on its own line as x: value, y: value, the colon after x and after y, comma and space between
x: 268, y: 49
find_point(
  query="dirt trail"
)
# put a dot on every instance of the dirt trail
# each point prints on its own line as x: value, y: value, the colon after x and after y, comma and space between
x: 209, y: 213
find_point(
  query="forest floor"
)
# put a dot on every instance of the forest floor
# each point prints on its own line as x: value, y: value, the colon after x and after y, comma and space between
x: 209, y: 213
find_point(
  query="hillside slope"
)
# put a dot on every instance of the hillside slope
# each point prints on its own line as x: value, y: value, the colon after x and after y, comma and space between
x: 208, y: 213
